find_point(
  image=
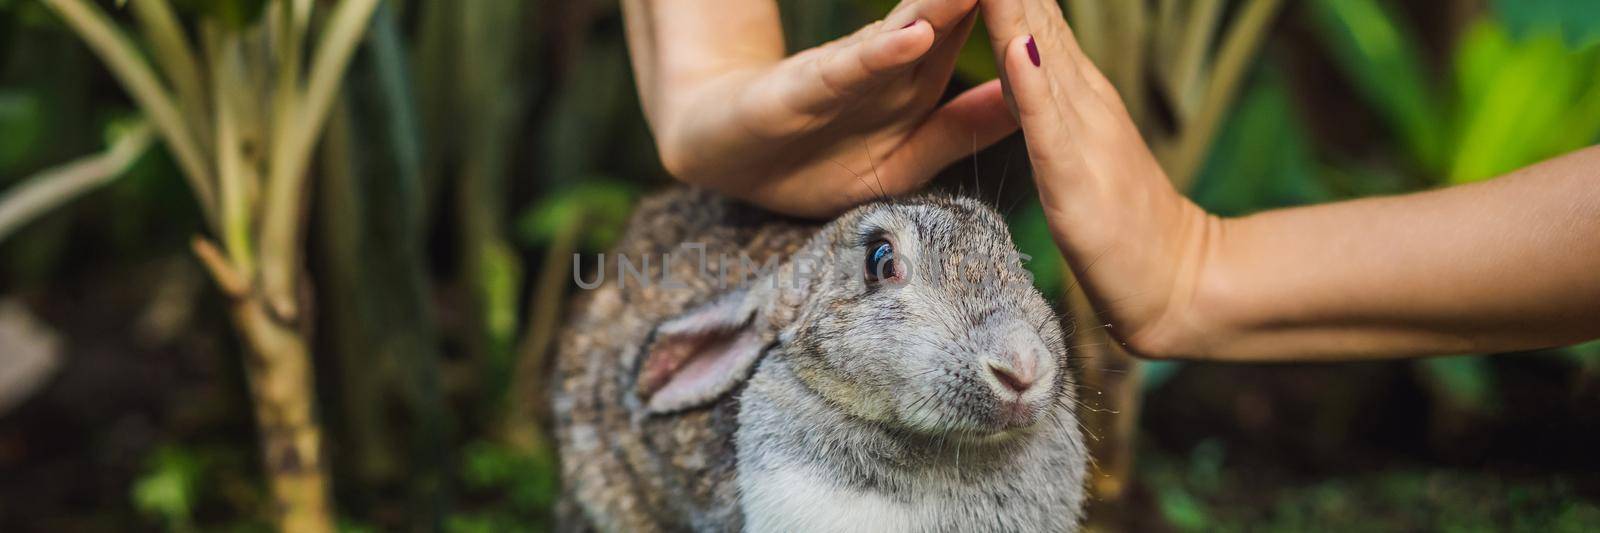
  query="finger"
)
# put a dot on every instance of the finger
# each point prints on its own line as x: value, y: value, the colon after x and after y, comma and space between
x: 1056, y: 40
x: 972, y: 121
x: 944, y: 15
x: 818, y: 80
x: 1077, y: 85
x: 938, y: 63
x: 1047, y: 121
x: 889, y: 51
x: 1004, y: 20
x: 1007, y: 20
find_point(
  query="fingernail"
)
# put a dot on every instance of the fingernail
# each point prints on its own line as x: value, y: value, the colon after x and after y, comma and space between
x: 1033, y: 51
x: 912, y: 23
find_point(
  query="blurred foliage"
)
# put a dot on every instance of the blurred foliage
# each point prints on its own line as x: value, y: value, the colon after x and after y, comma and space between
x: 600, y: 206
x: 500, y: 275
x: 1384, y: 62
x: 1513, y: 101
x: 1512, y: 98
x: 1521, y: 101
x: 22, y: 119
x: 523, y: 480
x: 521, y: 477
x: 1464, y: 381
x: 169, y: 488
x: 1263, y: 157
x: 1031, y: 232
x: 234, y: 13
x: 1577, y: 21
x: 1203, y: 491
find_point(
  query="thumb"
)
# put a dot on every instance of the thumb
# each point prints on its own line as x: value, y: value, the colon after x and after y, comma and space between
x: 820, y: 79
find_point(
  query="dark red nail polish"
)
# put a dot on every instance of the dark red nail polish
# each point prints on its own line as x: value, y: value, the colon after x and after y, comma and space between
x: 1033, y: 51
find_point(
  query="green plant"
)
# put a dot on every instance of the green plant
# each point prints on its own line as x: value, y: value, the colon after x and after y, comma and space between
x: 1522, y: 87
x: 241, y: 116
x: 526, y: 482
x: 51, y: 188
x: 169, y: 487
x: 579, y: 218
x: 375, y: 292
x: 1514, y: 97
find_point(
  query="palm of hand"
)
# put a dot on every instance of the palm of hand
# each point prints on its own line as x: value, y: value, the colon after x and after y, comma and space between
x: 855, y: 118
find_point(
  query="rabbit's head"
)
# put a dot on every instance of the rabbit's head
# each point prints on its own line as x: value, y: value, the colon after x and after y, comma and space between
x: 915, y: 314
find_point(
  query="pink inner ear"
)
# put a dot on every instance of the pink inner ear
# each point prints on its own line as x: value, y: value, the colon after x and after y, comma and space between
x: 698, y: 371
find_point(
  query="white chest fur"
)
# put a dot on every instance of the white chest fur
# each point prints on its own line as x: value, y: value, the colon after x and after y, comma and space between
x: 797, y: 498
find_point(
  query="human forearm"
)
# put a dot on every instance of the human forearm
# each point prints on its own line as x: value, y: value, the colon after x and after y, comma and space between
x: 1509, y: 264
x: 676, y: 44
x: 1513, y: 263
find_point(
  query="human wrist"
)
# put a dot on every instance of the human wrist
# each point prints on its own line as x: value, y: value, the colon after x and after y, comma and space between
x: 696, y: 123
x: 1197, y: 287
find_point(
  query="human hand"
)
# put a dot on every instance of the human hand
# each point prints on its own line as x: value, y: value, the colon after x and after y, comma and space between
x: 1135, y: 243
x: 814, y: 133
x: 1435, y: 272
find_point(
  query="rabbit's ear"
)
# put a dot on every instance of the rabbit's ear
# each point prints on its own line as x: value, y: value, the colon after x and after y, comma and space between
x: 701, y: 355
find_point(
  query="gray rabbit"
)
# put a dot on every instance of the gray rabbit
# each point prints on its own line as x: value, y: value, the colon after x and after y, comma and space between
x: 891, y: 370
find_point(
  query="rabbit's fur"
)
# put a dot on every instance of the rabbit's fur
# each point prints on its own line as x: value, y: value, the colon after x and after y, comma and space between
x: 813, y: 398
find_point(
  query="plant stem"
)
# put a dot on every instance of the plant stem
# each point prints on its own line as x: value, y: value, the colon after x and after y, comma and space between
x: 1233, y: 59
x: 1128, y: 41
x: 349, y: 307
x: 136, y: 76
x: 177, y: 60
x: 236, y: 173
x: 279, y: 371
x: 525, y: 418
x: 296, y: 129
x: 1187, y: 80
x: 278, y: 368
x: 51, y: 188
x: 1090, y: 26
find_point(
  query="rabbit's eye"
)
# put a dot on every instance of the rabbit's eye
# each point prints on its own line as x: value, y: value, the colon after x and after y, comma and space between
x: 880, y: 261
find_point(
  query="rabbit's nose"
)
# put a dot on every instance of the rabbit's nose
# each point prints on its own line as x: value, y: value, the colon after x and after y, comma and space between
x: 1017, y: 372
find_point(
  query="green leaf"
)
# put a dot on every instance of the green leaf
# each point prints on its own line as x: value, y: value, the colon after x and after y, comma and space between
x: 1262, y: 158
x: 1031, y: 233
x: 529, y: 479
x: 1581, y: 125
x: 1206, y: 470
x: 22, y: 121
x: 1382, y: 58
x: 1588, y: 357
x: 1182, y: 510
x: 233, y: 13
x: 1467, y: 380
x: 502, y: 281
x: 1517, y: 102
x: 169, y: 487
x: 1483, y: 48
x: 1577, y: 21
x: 599, y: 204
x: 582, y: 121
x: 1158, y: 373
